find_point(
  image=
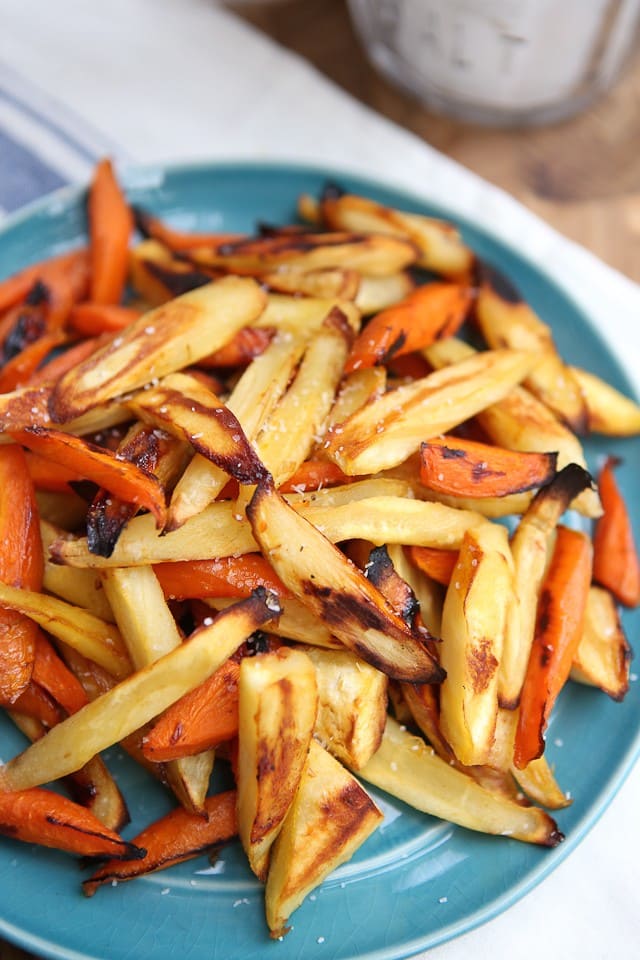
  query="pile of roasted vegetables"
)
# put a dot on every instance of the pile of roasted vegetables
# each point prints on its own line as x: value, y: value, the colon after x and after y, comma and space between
x: 261, y: 499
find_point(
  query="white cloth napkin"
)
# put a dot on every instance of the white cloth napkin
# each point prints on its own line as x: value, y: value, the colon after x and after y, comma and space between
x: 163, y: 80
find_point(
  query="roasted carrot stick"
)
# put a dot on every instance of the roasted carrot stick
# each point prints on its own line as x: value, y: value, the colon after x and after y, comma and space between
x: 52, y: 674
x: 559, y: 626
x: 437, y: 563
x: 21, y: 565
x: 409, y: 366
x: 430, y: 312
x: 224, y: 577
x: 14, y: 289
x: 92, y: 319
x: 202, y: 719
x: 176, y: 837
x: 615, y: 558
x: 72, y: 273
x: 110, y: 227
x: 18, y: 371
x: 51, y: 820
x: 159, y: 455
x: 35, y: 702
x: 61, y: 295
x: 74, y: 265
x: 47, y: 475
x: 23, y: 324
x: 465, y: 468
x: 57, y: 366
x: 247, y: 343
x: 313, y: 475
x: 177, y: 240
x: 124, y: 479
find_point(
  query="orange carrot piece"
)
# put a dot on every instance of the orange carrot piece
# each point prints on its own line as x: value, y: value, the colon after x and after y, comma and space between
x: 428, y: 313
x: 247, y: 343
x: 19, y: 370
x: 47, y: 475
x: 15, y: 288
x: 615, y: 558
x: 198, y: 721
x: 110, y: 227
x: 409, y: 366
x: 75, y: 272
x: 21, y: 559
x: 60, y: 295
x: 52, y: 674
x: 176, y: 837
x: 22, y: 325
x: 178, y: 240
x: 92, y: 319
x: 466, y: 468
x: 559, y: 627
x: 121, y: 477
x: 46, y: 305
x: 51, y: 820
x: 74, y: 265
x: 435, y: 562
x: 224, y: 577
x: 36, y: 702
x: 17, y: 644
x: 313, y: 475
x: 21, y: 565
x: 60, y: 364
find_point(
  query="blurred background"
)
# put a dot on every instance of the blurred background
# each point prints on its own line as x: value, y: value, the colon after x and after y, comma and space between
x: 580, y: 173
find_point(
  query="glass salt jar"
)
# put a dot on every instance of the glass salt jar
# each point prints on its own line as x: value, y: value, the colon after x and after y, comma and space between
x: 500, y: 62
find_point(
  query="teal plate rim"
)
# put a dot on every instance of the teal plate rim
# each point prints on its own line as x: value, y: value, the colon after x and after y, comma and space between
x: 417, y: 882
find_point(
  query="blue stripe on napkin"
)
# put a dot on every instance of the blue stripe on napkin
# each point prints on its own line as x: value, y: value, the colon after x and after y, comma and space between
x: 48, y: 122
x: 23, y: 175
x: 43, y: 144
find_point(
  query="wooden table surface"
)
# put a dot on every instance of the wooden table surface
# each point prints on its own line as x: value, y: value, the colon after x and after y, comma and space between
x: 581, y: 176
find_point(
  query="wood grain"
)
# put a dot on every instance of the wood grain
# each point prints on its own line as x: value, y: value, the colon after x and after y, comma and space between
x: 582, y: 176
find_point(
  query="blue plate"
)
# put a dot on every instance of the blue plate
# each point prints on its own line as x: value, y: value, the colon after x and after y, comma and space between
x: 389, y: 901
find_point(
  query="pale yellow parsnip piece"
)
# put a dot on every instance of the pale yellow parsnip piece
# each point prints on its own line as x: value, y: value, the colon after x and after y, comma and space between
x: 389, y: 429
x: 519, y: 421
x: 609, y: 411
x: 149, y: 631
x: 165, y: 339
x: 352, y: 705
x: 298, y: 421
x: 137, y: 699
x: 335, y: 589
x: 332, y: 815
x: 251, y: 400
x: 217, y: 531
x: 505, y: 323
x: 277, y: 704
x: 339, y: 514
x: 407, y: 768
x: 94, y: 638
x: 305, y: 315
x: 440, y: 245
x: 476, y: 617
